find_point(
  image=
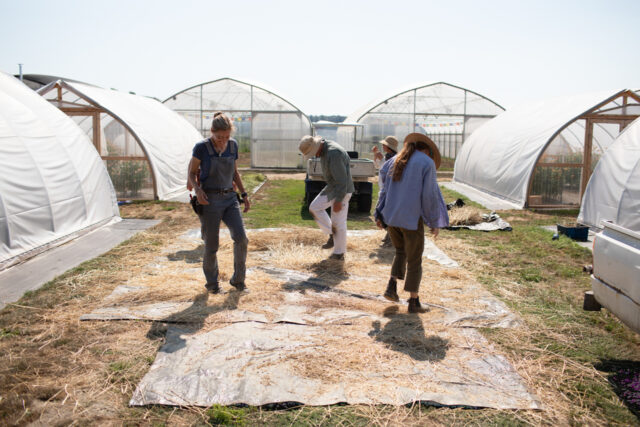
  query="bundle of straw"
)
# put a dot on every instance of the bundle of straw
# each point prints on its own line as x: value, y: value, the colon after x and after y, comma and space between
x: 466, y: 215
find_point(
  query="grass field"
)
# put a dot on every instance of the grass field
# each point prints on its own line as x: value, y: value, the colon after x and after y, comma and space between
x: 59, y: 371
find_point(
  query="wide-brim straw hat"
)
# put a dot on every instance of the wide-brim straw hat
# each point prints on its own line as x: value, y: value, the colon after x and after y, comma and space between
x: 390, y: 142
x: 309, y: 145
x: 434, y: 152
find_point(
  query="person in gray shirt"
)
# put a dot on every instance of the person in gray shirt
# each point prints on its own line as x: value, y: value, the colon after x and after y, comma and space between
x: 336, y: 194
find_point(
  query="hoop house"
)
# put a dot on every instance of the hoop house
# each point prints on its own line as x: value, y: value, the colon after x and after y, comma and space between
x: 53, y: 185
x: 613, y: 192
x: 145, y: 145
x: 447, y: 113
x: 266, y: 124
x: 542, y: 154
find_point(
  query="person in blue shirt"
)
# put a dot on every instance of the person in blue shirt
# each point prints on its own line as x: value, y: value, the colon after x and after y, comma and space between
x: 390, y: 149
x: 409, y: 199
x: 213, y: 171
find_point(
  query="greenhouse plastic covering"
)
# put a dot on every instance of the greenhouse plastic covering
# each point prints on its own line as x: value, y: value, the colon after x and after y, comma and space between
x: 613, y: 193
x: 266, y: 124
x: 447, y: 113
x: 166, y: 138
x: 499, y: 158
x: 53, y: 184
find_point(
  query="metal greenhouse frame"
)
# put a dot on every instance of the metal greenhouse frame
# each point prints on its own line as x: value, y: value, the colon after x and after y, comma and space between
x: 542, y: 154
x: 144, y: 144
x: 446, y: 112
x: 612, y: 111
x: 267, y: 125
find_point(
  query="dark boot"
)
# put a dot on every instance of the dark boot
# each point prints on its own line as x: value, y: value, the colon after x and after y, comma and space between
x: 392, y: 290
x: 415, y: 307
x: 213, y: 288
x: 239, y: 286
x: 329, y: 243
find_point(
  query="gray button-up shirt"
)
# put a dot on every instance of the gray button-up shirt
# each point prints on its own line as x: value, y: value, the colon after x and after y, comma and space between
x: 336, y: 171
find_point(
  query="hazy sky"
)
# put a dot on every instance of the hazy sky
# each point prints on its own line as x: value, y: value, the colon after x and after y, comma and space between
x: 330, y: 57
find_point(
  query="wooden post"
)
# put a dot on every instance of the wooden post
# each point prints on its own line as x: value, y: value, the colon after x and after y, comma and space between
x: 96, y: 132
x: 586, y: 158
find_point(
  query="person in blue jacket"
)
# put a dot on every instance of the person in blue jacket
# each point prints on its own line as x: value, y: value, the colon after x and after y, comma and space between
x: 213, y: 172
x: 409, y: 199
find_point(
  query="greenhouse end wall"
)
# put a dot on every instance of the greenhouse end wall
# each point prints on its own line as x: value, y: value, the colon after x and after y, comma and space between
x: 446, y: 113
x: 266, y: 125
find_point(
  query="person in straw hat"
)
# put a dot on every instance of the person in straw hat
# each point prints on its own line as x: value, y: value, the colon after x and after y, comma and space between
x: 411, y: 198
x: 390, y: 149
x: 336, y: 194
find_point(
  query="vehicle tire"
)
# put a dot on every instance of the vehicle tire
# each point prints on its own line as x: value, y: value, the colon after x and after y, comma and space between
x: 310, y: 197
x: 364, y: 203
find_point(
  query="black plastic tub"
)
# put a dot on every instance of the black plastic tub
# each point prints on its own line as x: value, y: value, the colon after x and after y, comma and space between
x: 578, y: 232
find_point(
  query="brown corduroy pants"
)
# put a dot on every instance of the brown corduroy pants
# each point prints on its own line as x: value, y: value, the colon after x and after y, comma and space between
x: 409, y: 246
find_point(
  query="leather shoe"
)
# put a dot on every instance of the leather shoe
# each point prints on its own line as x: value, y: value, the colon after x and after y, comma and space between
x: 329, y: 243
x: 239, y: 286
x: 415, y: 307
x: 213, y: 288
x: 392, y: 292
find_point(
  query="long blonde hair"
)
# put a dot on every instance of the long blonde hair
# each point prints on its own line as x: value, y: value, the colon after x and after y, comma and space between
x: 402, y: 158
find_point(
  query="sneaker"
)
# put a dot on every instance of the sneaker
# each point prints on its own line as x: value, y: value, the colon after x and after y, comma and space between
x: 392, y: 293
x: 415, y: 307
x: 329, y: 243
x: 338, y: 257
x: 213, y: 288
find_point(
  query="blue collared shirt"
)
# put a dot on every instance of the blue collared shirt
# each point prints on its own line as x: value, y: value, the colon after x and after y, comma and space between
x: 417, y: 195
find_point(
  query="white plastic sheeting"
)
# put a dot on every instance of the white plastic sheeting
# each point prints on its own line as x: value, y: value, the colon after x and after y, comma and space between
x: 499, y: 158
x: 53, y: 184
x: 445, y: 112
x: 166, y: 138
x: 256, y: 364
x: 613, y: 192
x: 265, y: 122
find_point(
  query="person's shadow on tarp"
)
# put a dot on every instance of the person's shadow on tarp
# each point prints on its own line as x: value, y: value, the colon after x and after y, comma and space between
x: 383, y: 254
x: 405, y: 333
x: 328, y: 274
x: 193, y: 256
x: 192, y: 318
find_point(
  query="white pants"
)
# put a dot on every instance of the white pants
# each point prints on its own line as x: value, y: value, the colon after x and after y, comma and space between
x: 338, y: 220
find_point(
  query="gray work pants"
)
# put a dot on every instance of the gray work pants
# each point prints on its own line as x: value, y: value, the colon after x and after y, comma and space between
x: 225, y: 208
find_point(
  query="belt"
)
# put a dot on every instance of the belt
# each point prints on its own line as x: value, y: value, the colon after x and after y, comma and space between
x: 224, y: 191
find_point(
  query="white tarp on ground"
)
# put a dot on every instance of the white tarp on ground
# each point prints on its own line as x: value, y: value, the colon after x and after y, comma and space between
x: 613, y: 192
x: 53, y: 184
x: 259, y: 363
x: 486, y: 311
x: 499, y: 157
x: 166, y: 137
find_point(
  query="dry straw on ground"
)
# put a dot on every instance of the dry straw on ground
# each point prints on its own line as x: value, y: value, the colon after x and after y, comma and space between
x: 59, y: 370
x: 465, y: 215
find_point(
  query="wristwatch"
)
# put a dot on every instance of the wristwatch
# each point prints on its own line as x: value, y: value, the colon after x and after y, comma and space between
x: 243, y: 194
